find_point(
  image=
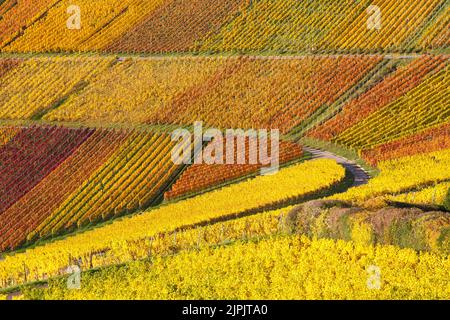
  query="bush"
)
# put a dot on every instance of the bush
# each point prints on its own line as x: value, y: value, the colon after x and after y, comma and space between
x: 447, y: 201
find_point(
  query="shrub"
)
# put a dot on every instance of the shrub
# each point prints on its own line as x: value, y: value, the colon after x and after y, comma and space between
x: 447, y: 201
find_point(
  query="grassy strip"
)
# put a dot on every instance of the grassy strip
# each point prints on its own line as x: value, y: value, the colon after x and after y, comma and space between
x: 93, y: 124
x: 224, y: 55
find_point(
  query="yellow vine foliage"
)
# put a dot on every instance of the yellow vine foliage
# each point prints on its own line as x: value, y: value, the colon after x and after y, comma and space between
x: 438, y: 33
x: 132, y: 177
x: 292, y: 267
x: 117, y: 238
x: 38, y: 84
x: 263, y: 25
x: 423, y: 107
x: 399, y: 20
x: 402, y: 175
x: 293, y: 26
x: 101, y: 22
x: 434, y: 195
x: 254, y: 226
x: 134, y: 89
x: 135, y: 12
x: 7, y: 133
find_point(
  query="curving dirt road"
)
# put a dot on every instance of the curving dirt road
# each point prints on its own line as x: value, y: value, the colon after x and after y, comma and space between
x: 361, y: 176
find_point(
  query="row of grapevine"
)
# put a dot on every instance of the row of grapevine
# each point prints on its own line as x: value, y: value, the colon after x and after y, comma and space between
x: 392, y: 87
x: 293, y: 26
x: 290, y: 267
x: 38, y: 84
x: 427, y: 230
x: 364, y: 227
x: 6, y: 134
x: 18, y: 15
x: 22, y: 219
x: 258, y: 225
x: 423, y: 107
x: 275, y: 93
x: 50, y: 33
x: 438, y: 33
x: 131, y: 179
x: 176, y: 25
x: 134, y: 88
x: 277, y: 26
x: 117, y: 238
x: 400, y: 21
x: 56, y: 179
x: 29, y: 157
x: 403, y: 175
x: 430, y: 140
x: 433, y: 196
x: 286, y: 26
x: 7, y: 64
x: 198, y: 177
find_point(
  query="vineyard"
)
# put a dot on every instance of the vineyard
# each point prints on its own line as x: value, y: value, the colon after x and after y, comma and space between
x: 293, y: 260
x: 99, y: 99
x: 423, y: 107
x: 71, y: 177
x: 394, y: 86
x: 402, y: 175
x: 205, y: 26
x: 203, y: 176
x: 129, y: 237
x: 36, y: 86
x: 277, y: 93
x: 434, y: 139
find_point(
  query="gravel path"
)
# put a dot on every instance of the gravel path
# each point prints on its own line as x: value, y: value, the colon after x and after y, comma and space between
x: 361, y: 176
